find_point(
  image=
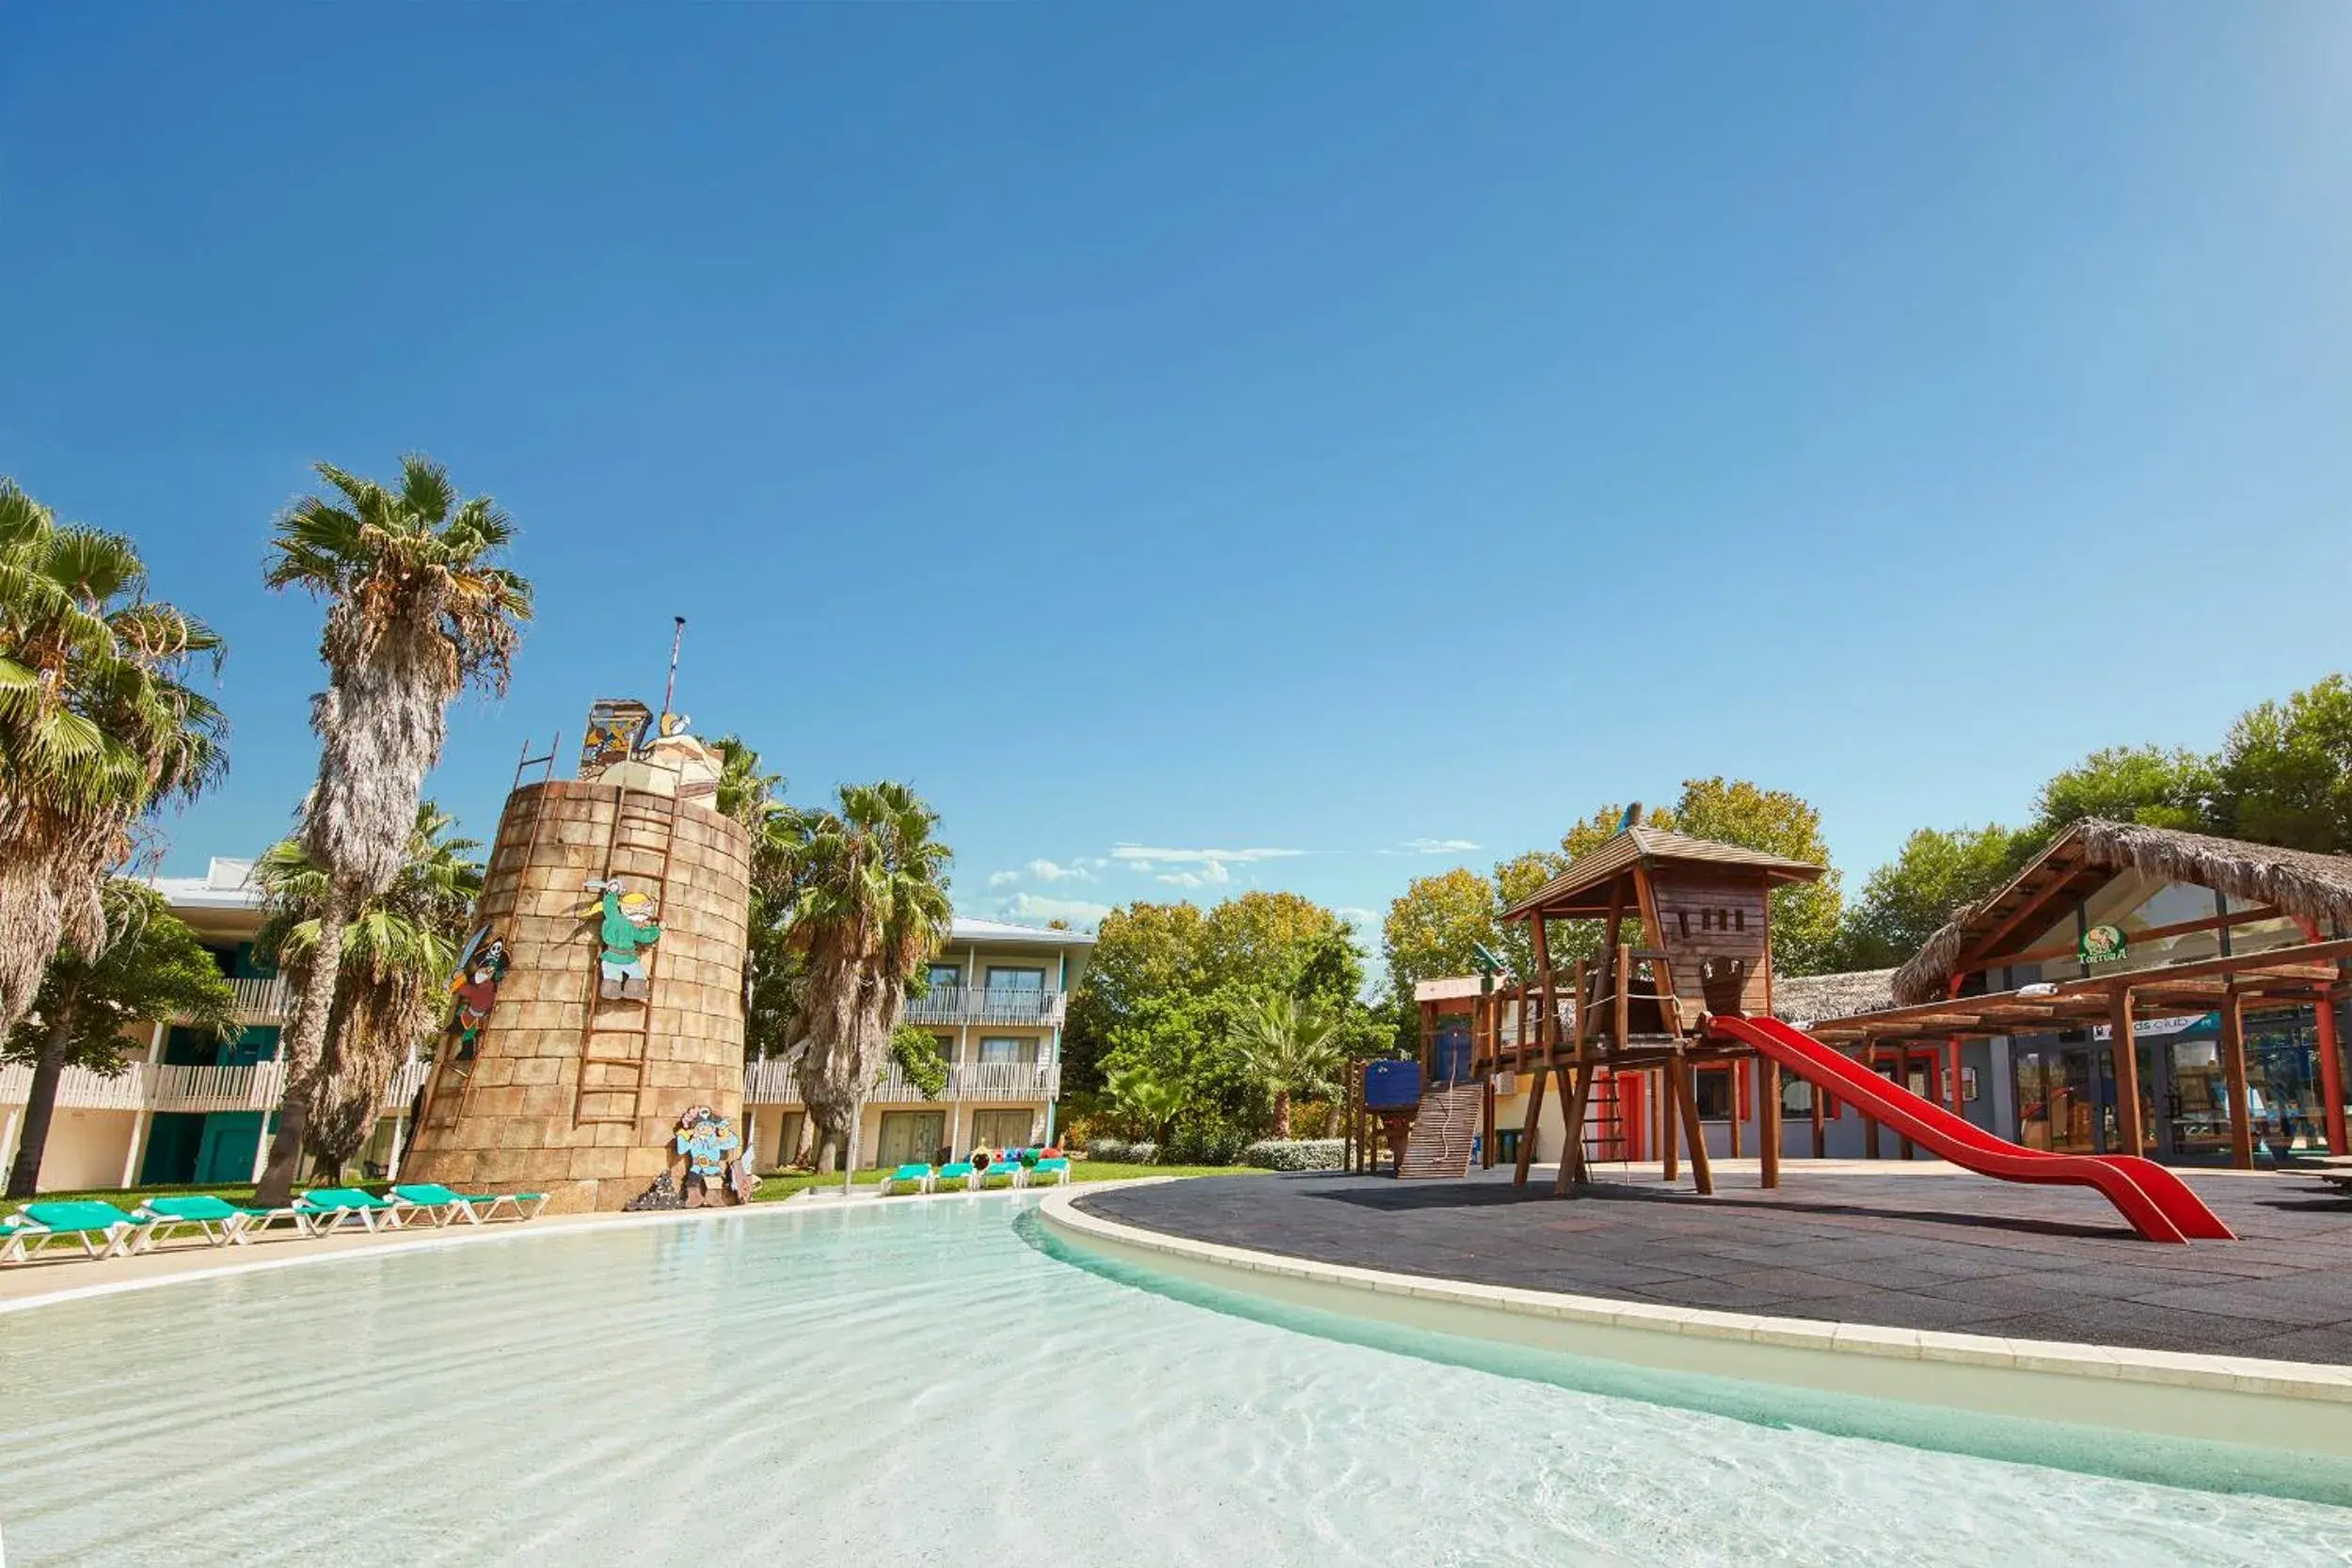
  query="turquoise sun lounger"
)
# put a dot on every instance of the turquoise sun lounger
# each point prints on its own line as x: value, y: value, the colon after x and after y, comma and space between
x: 103, y: 1230
x: 221, y: 1222
x: 446, y: 1205
x: 917, y: 1177
x: 328, y: 1206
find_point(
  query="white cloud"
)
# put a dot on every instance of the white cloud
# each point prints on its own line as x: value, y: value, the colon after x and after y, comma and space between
x: 1361, y: 918
x: 1196, y: 856
x: 1045, y: 871
x: 1035, y: 906
x: 1437, y: 846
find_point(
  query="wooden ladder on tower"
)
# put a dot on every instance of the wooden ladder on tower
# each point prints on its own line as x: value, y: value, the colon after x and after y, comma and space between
x: 589, y: 1025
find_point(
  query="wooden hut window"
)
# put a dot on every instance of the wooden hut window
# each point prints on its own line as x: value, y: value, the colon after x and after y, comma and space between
x: 1740, y: 916
x: 1684, y: 917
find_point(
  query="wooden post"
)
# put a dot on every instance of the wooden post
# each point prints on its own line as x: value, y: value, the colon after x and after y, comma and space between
x: 2234, y: 1067
x: 1870, y: 1124
x: 2123, y: 1050
x: 1571, y: 1172
x: 1622, y: 1018
x: 1734, y: 1070
x: 1702, y: 1176
x: 1548, y: 1021
x: 2330, y: 1072
x: 1584, y: 1009
x: 1529, y: 1122
x: 1768, y: 1120
x: 1486, y: 1125
x: 1669, y: 1109
x: 1820, y: 1118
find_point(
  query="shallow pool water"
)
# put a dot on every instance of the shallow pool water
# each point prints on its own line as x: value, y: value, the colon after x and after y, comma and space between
x: 916, y: 1384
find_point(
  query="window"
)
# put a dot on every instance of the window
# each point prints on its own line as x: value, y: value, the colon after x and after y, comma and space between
x: 945, y: 977
x: 1026, y: 981
x: 1015, y: 1050
x: 911, y: 1137
x: 1711, y: 1089
x: 946, y: 1044
x: 1003, y: 1128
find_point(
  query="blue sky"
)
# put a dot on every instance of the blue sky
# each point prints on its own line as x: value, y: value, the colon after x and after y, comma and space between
x: 1249, y: 447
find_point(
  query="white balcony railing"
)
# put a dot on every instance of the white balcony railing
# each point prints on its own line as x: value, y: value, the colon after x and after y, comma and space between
x: 987, y: 1005
x: 771, y: 1082
x: 158, y: 1087
x: 262, y: 1001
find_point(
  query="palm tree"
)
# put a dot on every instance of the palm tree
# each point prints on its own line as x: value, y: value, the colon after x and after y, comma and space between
x: 150, y: 967
x: 98, y: 727
x: 1288, y: 1047
x: 870, y: 907
x: 417, y: 611
x: 398, y: 952
x: 1153, y: 1101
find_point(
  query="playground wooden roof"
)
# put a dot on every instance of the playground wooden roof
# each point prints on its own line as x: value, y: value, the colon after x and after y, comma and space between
x: 2089, y: 853
x: 1580, y: 892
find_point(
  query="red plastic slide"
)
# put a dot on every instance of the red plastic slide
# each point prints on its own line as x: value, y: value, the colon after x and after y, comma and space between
x: 2158, y: 1202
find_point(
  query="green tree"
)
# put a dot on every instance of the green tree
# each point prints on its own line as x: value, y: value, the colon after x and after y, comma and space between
x: 1168, y: 983
x: 1151, y: 1102
x: 392, y: 994
x: 1909, y: 898
x: 869, y: 908
x: 917, y: 1055
x: 2126, y: 783
x: 99, y: 725
x: 150, y: 966
x: 1287, y: 1047
x: 2284, y: 775
x: 1434, y: 927
x: 418, y: 608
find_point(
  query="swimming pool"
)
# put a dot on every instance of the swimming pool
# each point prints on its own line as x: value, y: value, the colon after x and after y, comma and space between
x: 922, y: 1383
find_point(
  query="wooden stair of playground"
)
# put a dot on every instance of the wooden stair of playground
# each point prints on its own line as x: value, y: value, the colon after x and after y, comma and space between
x: 1443, y: 1132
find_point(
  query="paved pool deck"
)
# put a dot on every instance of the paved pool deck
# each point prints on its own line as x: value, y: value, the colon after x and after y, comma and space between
x: 1919, y: 1246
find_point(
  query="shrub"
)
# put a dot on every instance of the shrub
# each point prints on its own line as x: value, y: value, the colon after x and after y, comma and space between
x: 1142, y: 1154
x: 1296, y: 1153
x: 1206, y: 1146
x: 1107, y: 1147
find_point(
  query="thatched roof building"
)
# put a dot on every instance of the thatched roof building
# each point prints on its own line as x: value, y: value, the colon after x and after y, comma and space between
x: 1800, y: 999
x: 2300, y: 882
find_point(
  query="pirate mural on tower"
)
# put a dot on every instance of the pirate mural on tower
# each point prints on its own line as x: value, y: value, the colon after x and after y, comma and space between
x: 480, y: 969
x: 707, y: 1142
x: 625, y: 928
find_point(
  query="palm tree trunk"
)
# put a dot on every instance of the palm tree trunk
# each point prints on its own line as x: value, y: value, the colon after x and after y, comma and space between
x: 1283, y: 1113
x: 305, y: 1050
x: 42, y: 1104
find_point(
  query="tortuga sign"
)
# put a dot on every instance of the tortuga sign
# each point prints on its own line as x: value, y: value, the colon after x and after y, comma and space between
x: 2103, y: 944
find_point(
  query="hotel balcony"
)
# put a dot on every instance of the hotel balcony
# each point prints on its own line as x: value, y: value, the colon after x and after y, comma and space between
x: 772, y: 1083
x: 987, y: 1005
x: 156, y: 1086
x: 262, y: 1001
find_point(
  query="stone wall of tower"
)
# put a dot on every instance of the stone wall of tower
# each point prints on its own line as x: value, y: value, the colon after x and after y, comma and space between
x: 568, y: 1093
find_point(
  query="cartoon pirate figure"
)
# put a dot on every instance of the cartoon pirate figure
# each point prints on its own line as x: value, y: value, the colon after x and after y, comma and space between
x: 476, y: 989
x: 627, y: 929
x: 705, y: 1142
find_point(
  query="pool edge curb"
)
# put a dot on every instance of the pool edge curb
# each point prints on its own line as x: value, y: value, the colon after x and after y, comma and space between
x: 2161, y: 1392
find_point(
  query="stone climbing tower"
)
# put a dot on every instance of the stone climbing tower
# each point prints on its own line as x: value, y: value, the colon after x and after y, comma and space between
x: 574, y: 1082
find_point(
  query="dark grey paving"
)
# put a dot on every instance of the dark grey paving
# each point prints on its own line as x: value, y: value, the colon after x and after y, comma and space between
x: 1955, y: 1253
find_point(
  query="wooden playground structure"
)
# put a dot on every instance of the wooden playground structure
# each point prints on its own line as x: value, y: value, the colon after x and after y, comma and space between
x: 1583, y: 1027
x: 1698, y: 993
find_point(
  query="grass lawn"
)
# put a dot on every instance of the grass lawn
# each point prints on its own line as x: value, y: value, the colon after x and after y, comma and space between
x: 772, y: 1188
